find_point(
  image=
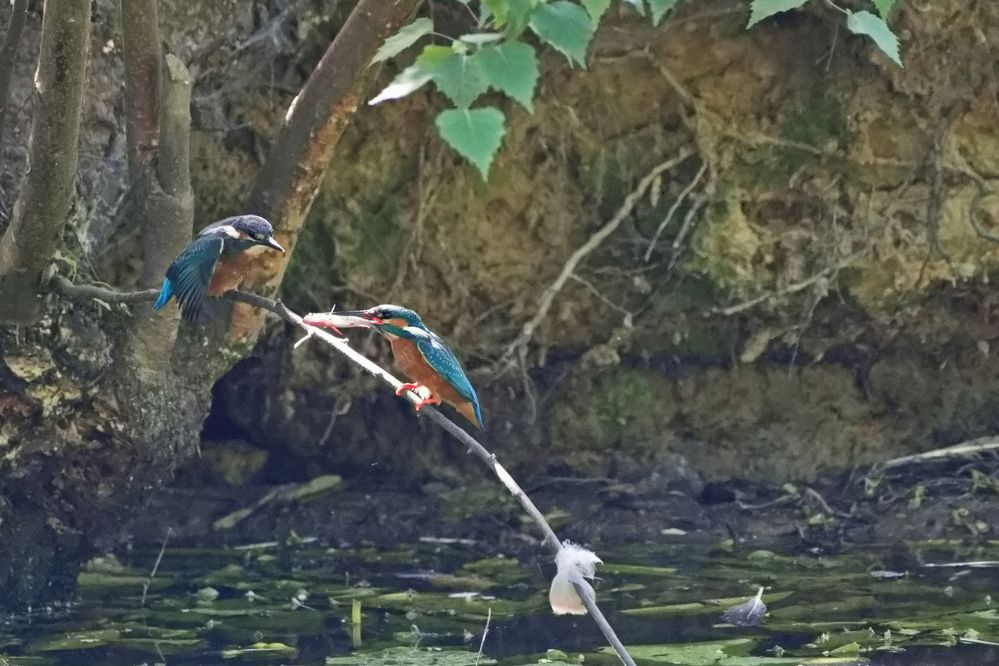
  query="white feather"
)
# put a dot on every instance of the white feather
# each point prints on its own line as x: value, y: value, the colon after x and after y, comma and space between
x: 573, y: 564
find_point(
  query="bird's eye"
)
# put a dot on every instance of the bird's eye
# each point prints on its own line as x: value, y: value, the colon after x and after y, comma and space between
x: 258, y: 236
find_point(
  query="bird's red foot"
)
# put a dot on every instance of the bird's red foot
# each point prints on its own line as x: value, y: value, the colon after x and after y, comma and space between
x: 432, y: 400
x: 408, y: 387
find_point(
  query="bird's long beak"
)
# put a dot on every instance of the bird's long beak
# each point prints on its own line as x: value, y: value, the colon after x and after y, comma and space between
x: 271, y: 243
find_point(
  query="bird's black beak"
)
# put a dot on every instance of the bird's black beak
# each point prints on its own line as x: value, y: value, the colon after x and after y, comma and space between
x: 273, y: 244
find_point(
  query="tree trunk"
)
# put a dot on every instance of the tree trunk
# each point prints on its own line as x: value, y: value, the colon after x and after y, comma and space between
x: 40, y: 213
x: 99, y: 406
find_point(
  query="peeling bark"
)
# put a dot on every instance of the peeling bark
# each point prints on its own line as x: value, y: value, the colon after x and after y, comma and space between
x: 287, y: 184
x: 41, y: 209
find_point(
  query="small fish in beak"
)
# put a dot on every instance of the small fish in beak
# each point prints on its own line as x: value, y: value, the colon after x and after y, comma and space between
x: 335, y: 321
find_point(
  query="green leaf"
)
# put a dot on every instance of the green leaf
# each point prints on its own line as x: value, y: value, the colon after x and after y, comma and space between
x: 596, y: 9
x: 517, y: 15
x: 497, y: 9
x: 459, y: 77
x: 512, y: 68
x: 762, y: 9
x: 884, y: 6
x: 433, y: 55
x: 566, y: 27
x: 475, y: 134
x: 660, y: 8
x: 866, y: 23
x: 407, y: 81
x: 406, y: 37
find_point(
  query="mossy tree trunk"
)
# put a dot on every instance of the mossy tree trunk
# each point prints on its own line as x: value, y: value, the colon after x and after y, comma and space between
x: 99, y: 404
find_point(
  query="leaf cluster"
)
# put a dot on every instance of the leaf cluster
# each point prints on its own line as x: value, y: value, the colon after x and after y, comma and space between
x: 500, y: 55
x: 862, y: 22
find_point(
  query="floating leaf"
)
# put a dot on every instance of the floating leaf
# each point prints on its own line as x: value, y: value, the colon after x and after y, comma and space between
x: 512, y: 68
x: 412, y: 656
x: 261, y: 651
x: 748, y: 614
x: 866, y: 23
x: 475, y: 134
x: 403, y: 39
x: 566, y: 27
x: 459, y: 77
x: 76, y: 640
x: 884, y: 6
x: 761, y: 9
x: 660, y: 8
x: 735, y: 652
x: 596, y: 9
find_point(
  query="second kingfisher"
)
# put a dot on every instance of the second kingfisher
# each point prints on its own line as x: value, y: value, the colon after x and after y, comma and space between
x: 214, y: 262
x: 420, y: 353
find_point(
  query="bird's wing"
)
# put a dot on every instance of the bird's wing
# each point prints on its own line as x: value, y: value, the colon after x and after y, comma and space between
x: 440, y: 357
x: 191, y: 272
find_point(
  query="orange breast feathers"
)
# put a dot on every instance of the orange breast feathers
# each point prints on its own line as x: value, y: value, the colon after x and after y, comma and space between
x: 413, y: 365
x: 229, y: 273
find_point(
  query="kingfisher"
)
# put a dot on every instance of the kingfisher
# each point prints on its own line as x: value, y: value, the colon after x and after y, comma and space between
x: 214, y: 262
x: 436, y: 373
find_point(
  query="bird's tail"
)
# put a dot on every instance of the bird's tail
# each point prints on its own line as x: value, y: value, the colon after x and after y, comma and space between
x: 166, y: 293
x: 470, y: 410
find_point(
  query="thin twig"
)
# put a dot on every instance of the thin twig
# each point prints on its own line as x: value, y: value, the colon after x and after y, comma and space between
x: 485, y: 632
x: 82, y: 292
x: 594, y: 241
x: 962, y: 450
x: 156, y: 567
x: 688, y: 225
x: 790, y: 289
x: 672, y: 210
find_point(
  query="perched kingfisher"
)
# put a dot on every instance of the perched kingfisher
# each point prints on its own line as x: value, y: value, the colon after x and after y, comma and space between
x: 419, y: 352
x: 214, y: 262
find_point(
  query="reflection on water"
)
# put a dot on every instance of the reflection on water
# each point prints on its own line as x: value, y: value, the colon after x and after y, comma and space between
x: 427, y: 603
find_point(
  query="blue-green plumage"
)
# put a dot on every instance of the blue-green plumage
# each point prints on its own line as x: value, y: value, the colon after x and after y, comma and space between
x: 422, y: 355
x: 207, y: 267
x: 440, y: 357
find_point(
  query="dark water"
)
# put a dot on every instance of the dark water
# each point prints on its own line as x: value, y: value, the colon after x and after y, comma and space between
x: 428, y: 603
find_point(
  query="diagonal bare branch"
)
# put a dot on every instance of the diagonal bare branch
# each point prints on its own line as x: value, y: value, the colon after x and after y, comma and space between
x: 288, y: 183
